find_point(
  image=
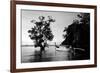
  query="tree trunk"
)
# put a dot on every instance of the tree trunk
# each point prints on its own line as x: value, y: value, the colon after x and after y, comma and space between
x: 42, y: 48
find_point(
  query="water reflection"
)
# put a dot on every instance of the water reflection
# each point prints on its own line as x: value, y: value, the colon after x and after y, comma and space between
x: 51, y: 53
x: 39, y: 57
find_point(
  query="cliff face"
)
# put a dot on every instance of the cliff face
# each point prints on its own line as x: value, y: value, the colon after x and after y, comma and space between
x: 78, y: 36
x: 78, y: 33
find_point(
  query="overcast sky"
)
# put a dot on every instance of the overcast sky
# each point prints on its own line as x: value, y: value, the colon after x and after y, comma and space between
x: 63, y: 19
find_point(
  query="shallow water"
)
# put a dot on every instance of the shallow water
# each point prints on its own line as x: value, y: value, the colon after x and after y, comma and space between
x: 51, y: 53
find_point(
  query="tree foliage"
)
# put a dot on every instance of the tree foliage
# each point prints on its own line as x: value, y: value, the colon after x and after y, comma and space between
x: 41, y: 31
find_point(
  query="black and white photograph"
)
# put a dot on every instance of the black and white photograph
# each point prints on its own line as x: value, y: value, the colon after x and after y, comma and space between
x: 50, y: 36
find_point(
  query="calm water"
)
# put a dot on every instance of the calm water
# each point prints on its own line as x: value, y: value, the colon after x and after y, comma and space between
x: 51, y: 53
